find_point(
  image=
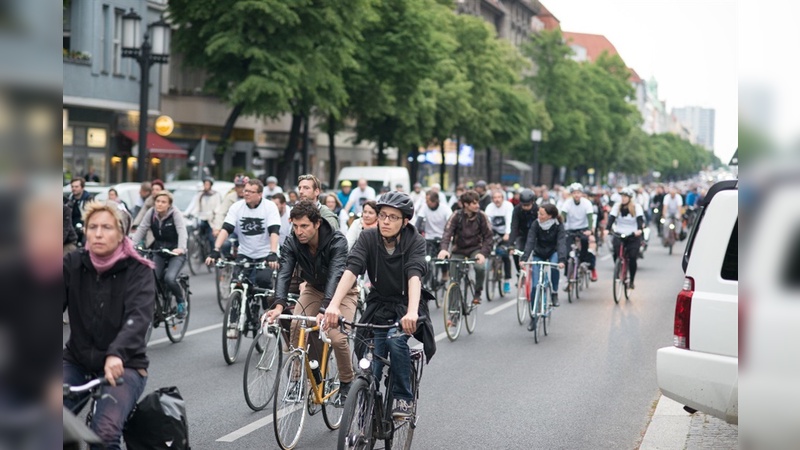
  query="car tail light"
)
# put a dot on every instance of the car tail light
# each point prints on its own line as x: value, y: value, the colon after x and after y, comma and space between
x: 683, y: 311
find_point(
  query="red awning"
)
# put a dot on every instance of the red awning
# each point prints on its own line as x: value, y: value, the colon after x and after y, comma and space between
x: 158, y: 146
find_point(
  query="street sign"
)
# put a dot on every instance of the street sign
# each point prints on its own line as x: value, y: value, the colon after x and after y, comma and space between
x: 164, y: 125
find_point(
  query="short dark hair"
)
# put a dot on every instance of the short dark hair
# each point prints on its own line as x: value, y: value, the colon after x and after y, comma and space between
x: 257, y: 183
x: 469, y: 197
x: 305, y: 208
x: 372, y: 204
x: 552, y: 211
x: 433, y: 196
x: 314, y: 179
x: 80, y: 180
x: 157, y: 182
x: 280, y: 197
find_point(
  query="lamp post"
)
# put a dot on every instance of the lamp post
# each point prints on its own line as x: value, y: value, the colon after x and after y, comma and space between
x: 536, y: 137
x: 146, y: 55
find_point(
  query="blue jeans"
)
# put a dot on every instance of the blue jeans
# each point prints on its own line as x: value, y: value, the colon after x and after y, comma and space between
x: 114, y: 405
x: 167, y: 270
x: 554, y: 273
x: 400, y: 357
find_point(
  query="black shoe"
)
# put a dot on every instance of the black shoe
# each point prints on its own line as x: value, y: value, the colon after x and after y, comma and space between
x: 531, y: 326
x: 554, y: 299
x: 344, y: 389
x: 630, y: 286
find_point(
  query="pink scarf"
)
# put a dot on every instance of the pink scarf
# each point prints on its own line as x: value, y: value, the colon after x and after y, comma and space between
x: 124, y: 250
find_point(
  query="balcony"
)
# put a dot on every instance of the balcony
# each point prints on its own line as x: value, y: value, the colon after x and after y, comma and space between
x: 77, y: 57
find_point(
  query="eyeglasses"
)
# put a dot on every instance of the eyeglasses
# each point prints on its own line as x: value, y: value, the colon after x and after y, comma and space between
x: 391, y: 217
x: 250, y: 192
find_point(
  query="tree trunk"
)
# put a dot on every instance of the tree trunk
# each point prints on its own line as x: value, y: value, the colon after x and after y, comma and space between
x: 488, y: 164
x: 443, y: 167
x: 286, y: 161
x: 500, y: 167
x: 304, y: 157
x: 455, y: 169
x: 381, y: 154
x: 224, y: 139
x: 332, y: 151
x: 414, y: 165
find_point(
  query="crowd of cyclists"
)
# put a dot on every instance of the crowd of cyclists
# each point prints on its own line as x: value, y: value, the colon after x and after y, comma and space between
x: 319, y: 243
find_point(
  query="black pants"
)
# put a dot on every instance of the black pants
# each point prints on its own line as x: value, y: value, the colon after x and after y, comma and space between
x: 585, y: 255
x: 632, y: 244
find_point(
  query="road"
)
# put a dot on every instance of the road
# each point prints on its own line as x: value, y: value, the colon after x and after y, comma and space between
x: 590, y: 384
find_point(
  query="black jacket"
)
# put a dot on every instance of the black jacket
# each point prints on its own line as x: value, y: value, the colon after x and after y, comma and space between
x: 389, y: 275
x: 543, y: 243
x: 70, y: 236
x: 521, y: 222
x: 77, y: 205
x: 109, y: 313
x: 322, y: 270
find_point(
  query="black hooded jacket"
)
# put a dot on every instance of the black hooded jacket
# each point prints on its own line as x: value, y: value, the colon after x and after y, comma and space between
x: 321, y: 270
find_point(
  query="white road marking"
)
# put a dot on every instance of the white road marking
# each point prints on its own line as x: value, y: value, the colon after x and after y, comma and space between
x: 260, y: 423
x: 188, y: 333
x: 496, y: 310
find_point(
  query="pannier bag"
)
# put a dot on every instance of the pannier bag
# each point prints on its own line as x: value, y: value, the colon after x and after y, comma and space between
x: 158, y: 422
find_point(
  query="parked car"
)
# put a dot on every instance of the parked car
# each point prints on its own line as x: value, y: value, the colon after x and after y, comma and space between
x: 185, y: 190
x: 90, y: 187
x: 128, y: 193
x: 701, y: 369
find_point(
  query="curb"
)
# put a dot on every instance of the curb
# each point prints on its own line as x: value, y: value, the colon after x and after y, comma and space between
x: 669, y: 427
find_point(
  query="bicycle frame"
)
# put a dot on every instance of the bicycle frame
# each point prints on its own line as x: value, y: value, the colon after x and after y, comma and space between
x: 302, y: 349
x: 241, y: 283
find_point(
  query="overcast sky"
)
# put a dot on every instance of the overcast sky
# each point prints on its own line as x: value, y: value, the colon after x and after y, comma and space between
x: 688, y: 46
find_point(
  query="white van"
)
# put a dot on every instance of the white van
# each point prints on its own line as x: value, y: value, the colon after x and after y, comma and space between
x: 376, y: 176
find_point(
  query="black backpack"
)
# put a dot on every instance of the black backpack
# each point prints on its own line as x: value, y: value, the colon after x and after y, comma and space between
x: 158, y: 422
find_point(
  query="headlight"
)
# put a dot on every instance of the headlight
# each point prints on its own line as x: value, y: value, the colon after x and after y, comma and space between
x: 663, y: 221
x: 364, y: 363
x: 427, y: 258
x: 672, y: 226
x: 655, y: 210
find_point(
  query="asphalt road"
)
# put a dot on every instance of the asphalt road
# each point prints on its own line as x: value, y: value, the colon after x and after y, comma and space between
x: 590, y: 384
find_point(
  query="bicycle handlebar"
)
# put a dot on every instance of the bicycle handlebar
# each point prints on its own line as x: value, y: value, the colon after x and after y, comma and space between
x: 538, y: 263
x: 245, y: 264
x: 152, y: 252
x: 100, y: 381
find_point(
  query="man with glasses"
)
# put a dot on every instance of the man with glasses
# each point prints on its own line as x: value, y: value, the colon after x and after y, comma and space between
x: 471, y: 235
x: 309, y: 188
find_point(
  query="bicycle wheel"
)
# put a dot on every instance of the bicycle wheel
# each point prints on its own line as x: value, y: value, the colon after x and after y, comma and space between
x: 331, y: 414
x: 230, y: 345
x: 260, y: 370
x: 617, y: 283
x: 491, y: 280
x: 402, y: 430
x: 452, y: 311
x: 470, y: 309
x: 569, y: 280
x: 576, y: 283
x: 357, y: 418
x: 535, y: 313
x: 223, y: 281
x: 522, y: 298
x: 289, y: 407
x: 498, y: 270
x: 176, y: 328
x: 546, y: 308
x: 626, y: 283
x: 194, y: 254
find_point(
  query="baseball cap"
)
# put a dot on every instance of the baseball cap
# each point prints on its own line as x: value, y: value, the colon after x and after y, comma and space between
x: 240, y: 180
x: 347, y: 183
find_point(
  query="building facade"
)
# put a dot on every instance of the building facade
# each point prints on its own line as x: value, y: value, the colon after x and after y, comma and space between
x: 700, y: 121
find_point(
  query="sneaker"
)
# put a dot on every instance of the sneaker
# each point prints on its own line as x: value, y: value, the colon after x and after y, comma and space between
x: 554, y: 299
x: 402, y: 409
x: 594, y: 274
x: 530, y: 325
x: 344, y: 389
x: 233, y: 331
x: 181, y: 311
x: 477, y: 299
x: 507, y: 287
x: 630, y: 286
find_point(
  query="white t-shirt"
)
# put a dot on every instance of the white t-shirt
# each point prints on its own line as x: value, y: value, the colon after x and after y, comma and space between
x: 286, y: 225
x: 672, y: 206
x: 577, y: 215
x: 268, y: 193
x: 626, y: 224
x: 252, y: 225
x: 358, y: 197
x: 500, y: 217
x: 435, y: 221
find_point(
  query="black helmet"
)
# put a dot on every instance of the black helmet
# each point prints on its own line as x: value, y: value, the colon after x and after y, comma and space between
x: 399, y: 200
x: 526, y: 196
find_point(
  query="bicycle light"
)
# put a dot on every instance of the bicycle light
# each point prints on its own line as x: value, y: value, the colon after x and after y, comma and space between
x: 672, y: 226
x: 364, y: 363
x: 663, y: 220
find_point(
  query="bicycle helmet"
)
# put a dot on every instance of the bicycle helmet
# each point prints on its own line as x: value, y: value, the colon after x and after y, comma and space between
x: 627, y: 191
x: 399, y: 200
x: 240, y: 180
x: 575, y: 187
x: 526, y: 196
x: 272, y: 179
x: 209, y: 179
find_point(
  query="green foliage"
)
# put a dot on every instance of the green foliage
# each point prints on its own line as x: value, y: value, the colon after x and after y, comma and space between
x: 184, y: 173
x: 233, y: 171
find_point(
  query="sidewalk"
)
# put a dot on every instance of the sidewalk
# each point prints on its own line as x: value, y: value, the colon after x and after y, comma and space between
x: 672, y: 428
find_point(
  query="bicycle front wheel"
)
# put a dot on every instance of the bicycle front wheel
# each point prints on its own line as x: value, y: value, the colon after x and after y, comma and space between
x: 522, y: 299
x: 452, y: 312
x: 231, y: 336
x: 261, y: 370
x: 331, y: 414
x: 535, y: 313
x: 626, y: 283
x: 289, y: 407
x: 570, y: 281
x: 498, y: 274
x: 176, y: 328
x: 223, y: 279
x: 491, y: 280
x: 546, y: 310
x: 470, y: 313
x: 617, y: 284
x: 195, y: 256
x: 357, y: 418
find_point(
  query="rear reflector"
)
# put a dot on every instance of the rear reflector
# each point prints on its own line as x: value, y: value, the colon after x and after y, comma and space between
x: 683, y: 312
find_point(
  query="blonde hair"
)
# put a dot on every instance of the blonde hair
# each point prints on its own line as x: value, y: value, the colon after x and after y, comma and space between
x: 164, y: 193
x: 112, y: 207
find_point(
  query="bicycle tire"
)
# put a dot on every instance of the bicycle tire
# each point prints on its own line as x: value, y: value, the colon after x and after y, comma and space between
x: 223, y: 282
x: 617, y: 284
x: 288, y: 412
x: 402, y: 433
x: 176, y: 328
x: 357, y: 417
x: 452, y: 312
x: 535, y: 314
x: 499, y: 276
x: 193, y: 253
x: 570, y: 285
x: 547, y: 309
x: 490, y: 280
x: 577, y: 282
x: 626, y: 283
x: 261, y: 370
x: 230, y: 346
x: 471, y: 313
x: 330, y: 413
x: 522, y: 298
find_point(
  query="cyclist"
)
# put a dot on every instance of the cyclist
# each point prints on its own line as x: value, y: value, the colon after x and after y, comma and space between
x: 432, y: 218
x: 545, y: 197
x: 272, y: 188
x: 547, y: 241
x: 657, y: 203
x: 483, y: 194
x: 283, y: 210
x: 359, y: 196
x: 471, y: 235
x: 257, y: 223
x: 110, y: 292
x: 320, y: 254
x: 169, y: 232
x: 203, y: 206
x: 500, y: 212
x: 308, y: 188
x: 629, y: 218
x: 521, y: 219
x: 394, y: 257
x: 233, y: 196
x: 77, y: 202
x: 368, y: 219
x: 671, y: 208
x: 579, y: 219
x: 156, y: 186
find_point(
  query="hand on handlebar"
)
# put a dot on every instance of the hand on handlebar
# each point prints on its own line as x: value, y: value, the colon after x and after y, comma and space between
x: 178, y: 251
x: 587, y: 233
x: 561, y: 266
x: 480, y: 259
x: 409, y: 322
x: 272, y: 315
x: 443, y: 254
x: 637, y: 233
x: 332, y: 314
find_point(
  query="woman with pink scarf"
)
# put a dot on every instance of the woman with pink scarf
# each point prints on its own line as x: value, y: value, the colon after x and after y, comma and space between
x: 110, y: 293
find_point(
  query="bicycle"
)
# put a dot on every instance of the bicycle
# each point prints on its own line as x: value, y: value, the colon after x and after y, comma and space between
x: 541, y: 308
x: 621, y: 274
x: 669, y: 234
x: 224, y: 275
x: 494, y: 269
x: 523, y: 289
x: 368, y: 417
x: 432, y: 281
x: 198, y: 246
x: 456, y: 305
x: 165, y: 310
x: 363, y: 292
x: 304, y: 384
x: 93, y: 387
x: 264, y: 360
x: 243, y: 309
x: 577, y: 272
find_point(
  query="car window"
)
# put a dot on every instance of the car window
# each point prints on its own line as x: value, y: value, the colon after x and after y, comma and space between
x: 730, y: 264
x: 791, y: 271
x: 183, y: 197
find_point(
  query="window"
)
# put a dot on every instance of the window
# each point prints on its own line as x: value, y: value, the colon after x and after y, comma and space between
x: 103, y: 56
x: 96, y: 137
x: 730, y: 264
x: 67, y: 26
x: 117, y: 43
x: 791, y: 271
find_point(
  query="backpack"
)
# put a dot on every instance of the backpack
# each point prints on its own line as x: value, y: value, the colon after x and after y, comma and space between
x: 158, y: 422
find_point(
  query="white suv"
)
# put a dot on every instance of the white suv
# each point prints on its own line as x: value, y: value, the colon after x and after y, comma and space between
x: 701, y: 369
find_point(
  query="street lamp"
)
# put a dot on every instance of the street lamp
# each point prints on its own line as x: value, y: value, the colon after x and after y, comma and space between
x: 536, y: 137
x: 146, y: 55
